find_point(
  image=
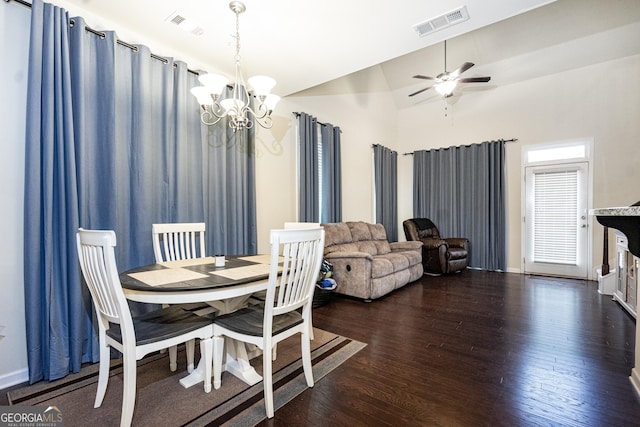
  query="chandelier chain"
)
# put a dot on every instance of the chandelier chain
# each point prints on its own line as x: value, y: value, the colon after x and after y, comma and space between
x: 237, y: 35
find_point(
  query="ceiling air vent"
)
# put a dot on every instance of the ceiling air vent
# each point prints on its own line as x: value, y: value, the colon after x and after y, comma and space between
x: 443, y: 21
x: 185, y: 24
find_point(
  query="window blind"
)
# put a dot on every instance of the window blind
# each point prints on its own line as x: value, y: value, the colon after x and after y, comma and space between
x: 555, y: 219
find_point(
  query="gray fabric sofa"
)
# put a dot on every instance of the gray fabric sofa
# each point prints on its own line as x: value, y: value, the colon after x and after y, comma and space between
x: 365, y: 264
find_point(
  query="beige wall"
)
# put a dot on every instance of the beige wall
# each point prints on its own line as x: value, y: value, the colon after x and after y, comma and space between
x: 600, y: 102
x: 362, y: 107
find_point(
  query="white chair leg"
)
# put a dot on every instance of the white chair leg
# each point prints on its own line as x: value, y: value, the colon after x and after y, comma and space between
x: 206, y: 350
x: 191, y: 350
x: 129, y: 391
x: 267, y: 379
x: 274, y: 352
x: 173, y: 358
x: 306, y: 359
x: 103, y: 375
x: 218, y: 350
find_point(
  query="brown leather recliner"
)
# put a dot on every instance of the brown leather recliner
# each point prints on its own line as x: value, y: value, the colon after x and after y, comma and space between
x: 439, y: 256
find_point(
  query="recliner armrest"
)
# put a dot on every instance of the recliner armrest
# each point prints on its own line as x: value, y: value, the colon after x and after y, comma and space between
x: 458, y: 242
x: 430, y: 243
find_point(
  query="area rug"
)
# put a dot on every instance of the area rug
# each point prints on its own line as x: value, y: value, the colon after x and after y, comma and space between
x: 161, y: 400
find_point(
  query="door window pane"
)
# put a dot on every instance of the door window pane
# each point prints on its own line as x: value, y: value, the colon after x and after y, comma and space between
x: 555, y: 218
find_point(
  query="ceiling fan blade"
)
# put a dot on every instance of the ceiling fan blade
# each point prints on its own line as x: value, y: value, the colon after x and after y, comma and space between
x: 420, y: 91
x: 418, y: 76
x: 461, y: 69
x: 474, y: 80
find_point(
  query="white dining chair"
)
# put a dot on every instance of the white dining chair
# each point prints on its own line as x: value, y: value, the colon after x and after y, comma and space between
x: 133, y: 336
x: 259, y: 297
x: 287, y: 309
x: 300, y: 225
x: 176, y: 242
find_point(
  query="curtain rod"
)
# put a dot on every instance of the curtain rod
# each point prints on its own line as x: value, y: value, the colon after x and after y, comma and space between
x: 380, y: 145
x: 503, y: 140
x: 102, y: 35
x: 22, y: 2
x: 295, y: 113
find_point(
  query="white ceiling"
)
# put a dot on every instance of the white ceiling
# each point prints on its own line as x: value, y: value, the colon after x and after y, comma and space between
x: 303, y: 44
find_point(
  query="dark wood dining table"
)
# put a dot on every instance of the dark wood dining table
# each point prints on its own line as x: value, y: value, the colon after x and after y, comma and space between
x: 199, y: 280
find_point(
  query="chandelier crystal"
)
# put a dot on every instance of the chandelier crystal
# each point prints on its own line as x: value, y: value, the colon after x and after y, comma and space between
x: 237, y: 104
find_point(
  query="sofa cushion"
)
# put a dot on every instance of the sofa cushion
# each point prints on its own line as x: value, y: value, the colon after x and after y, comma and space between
x: 359, y: 231
x: 336, y: 233
x: 367, y: 246
x: 387, y: 264
x: 377, y: 231
x: 381, y: 267
x: 382, y: 246
x: 414, y: 257
x: 379, y: 237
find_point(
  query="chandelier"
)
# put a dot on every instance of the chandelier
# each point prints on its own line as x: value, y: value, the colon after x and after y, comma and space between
x: 236, y: 102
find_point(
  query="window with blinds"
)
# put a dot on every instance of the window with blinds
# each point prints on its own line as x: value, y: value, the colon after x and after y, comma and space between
x: 555, y: 221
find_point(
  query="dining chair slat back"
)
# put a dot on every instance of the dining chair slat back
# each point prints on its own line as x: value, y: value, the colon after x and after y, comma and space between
x: 178, y: 241
x: 259, y: 297
x: 133, y: 336
x: 296, y: 255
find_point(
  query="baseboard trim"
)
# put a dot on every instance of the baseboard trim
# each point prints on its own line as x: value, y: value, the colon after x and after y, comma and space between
x: 13, y: 378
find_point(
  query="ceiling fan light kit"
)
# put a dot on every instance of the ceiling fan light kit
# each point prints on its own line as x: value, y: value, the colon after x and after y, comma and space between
x: 446, y: 87
x: 446, y: 82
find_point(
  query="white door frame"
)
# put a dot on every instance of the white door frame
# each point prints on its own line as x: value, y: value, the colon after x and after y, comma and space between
x: 587, y: 143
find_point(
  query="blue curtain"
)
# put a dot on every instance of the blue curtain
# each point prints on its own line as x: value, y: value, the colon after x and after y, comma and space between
x: 114, y: 141
x: 385, y: 171
x: 462, y: 190
x: 58, y: 320
x: 308, y: 184
x: 331, y: 210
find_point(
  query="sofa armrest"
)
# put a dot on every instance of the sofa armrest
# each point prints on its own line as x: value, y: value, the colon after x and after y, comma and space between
x: 352, y: 273
x: 405, y: 246
x: 342, y: 254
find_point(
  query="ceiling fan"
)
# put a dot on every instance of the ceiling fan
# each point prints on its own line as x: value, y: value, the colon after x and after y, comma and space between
x: 446, y: 82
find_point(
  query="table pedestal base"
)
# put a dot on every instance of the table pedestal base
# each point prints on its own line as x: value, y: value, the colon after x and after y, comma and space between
x: 237, y: 364
x: 237, y: 357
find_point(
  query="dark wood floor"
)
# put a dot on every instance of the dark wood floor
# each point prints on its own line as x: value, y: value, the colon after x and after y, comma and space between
x: 477, y: 349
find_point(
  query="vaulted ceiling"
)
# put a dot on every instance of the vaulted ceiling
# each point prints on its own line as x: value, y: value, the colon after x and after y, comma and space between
x: 303, y: 44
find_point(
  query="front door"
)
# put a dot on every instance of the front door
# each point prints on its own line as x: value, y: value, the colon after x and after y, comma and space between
x: 556, y: 220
